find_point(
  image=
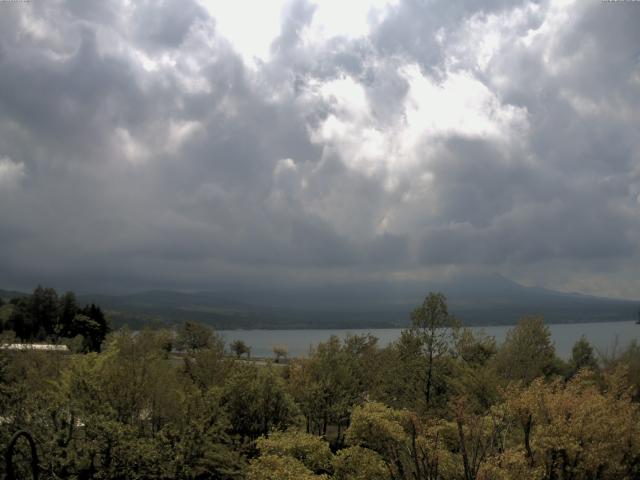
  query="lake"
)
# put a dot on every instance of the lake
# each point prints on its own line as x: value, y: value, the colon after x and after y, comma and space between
x: 603, y: 337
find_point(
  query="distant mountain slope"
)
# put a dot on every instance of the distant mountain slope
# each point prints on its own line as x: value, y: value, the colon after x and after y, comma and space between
x: 8, y: 294
x: 486, y: 300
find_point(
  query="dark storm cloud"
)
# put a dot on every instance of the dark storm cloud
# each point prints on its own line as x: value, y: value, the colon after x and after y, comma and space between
x: 138, y: 148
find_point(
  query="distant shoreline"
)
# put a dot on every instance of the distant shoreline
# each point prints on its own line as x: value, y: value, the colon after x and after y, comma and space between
x: 604, y: 336
x: 378, y: 327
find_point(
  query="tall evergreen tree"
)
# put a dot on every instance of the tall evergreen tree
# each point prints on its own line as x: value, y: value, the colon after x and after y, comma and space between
x: 43, y: 306
x: 67, y: 310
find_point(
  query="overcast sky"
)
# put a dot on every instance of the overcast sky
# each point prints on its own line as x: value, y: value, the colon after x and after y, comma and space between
x: 184, y: 143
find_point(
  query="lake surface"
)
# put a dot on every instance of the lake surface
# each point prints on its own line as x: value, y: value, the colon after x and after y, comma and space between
x: 603, y: 337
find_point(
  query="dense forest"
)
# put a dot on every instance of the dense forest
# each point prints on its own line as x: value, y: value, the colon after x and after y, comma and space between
x: 45, y: 316
x: 439, y: 403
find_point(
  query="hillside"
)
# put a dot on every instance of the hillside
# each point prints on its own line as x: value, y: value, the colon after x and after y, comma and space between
x: 489, y: 300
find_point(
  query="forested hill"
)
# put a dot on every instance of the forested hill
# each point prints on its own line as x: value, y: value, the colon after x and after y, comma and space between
x: 487, y: 300
x: 45, y: 316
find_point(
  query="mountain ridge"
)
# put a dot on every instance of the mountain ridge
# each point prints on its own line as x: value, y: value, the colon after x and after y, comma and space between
x: 477, y: 300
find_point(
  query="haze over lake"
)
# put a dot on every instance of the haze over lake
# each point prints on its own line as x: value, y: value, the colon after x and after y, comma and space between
x: 604, y: 337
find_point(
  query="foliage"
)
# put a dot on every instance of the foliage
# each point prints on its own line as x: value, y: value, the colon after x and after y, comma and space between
x: 209, y: 366
x: 332, y: 380
x: 359, y: 463
x: 350, y: 410
x: 240, y: 348
x: 434, y: 328
x: 192, y: 336
x: 575, y: 430
x: 627, y: 361
x: 257, y: 401
x: 43, y: 316
x: 408, y: 447
x: 310, y: 450
x: 274, y: 467
x: 582, y: 356
x: 280, y: 351
x: 527, y: 352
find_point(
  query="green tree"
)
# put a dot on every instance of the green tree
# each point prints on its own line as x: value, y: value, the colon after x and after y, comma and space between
x: 280, y: 351
x: 408, y: 448
x: 90, y: 331
x: 472, y: 376
x: 43, y: 307
x: 257, y: 401
x: 312, y: 451
x: 130, y: 413
x: 571, y: 430
x: 198, y: 444
x: 240, y: 348
x: 402, y: 373
x: 67, y: 310
x: 95, y: 313
x: 527, y: 352
x: 358, y: 463
x: 332, y: 380
x: 274, y: 467
x: 192, y: 336
x: 4, y: 381
x: 582, y: 356
x: 20, y: 320
x: 628, y: 362
x: 208, y: 367
x: 434, y: 327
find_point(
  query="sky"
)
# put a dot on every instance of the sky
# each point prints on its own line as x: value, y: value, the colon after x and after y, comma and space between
x: 186, y: 144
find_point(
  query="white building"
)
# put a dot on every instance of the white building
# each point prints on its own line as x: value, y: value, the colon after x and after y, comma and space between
x: 35, y: 346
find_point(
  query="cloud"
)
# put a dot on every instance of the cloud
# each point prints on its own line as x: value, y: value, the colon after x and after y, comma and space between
x: 183, y: 144
x: 11, y: 174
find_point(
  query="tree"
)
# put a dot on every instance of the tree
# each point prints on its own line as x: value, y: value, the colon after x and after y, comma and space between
x: 192, y: 336
x: 67, y: 310
x: 311, y: 450
x: 257, y: 401
x: 471, y: 376
x: 582, y: 356
x: 479, y: 436
x: 95, y: 313
x: 20, y: 319
x: 240, y: 348
x: 5, y: 312
x: 274, y: 467
x: 208, y: 367
x: 332, y: 380
x: 572, y: 431
x: 527, y: 352
x: 408, y: 448
x: 474, y: 349
x: 434, y: 327
x: 402, y: 373
x: 197, y: 443
x: 628, y: 361
x: 90, y: 331
x: 43, y: 307
x: 130, y: 413
x: 4, y: 380
x: 280, y: 351
x: 359, y: 463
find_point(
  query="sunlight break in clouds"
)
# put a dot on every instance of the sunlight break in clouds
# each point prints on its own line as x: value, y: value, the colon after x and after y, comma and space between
x: 251, y: 26
x: 457, y: 106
